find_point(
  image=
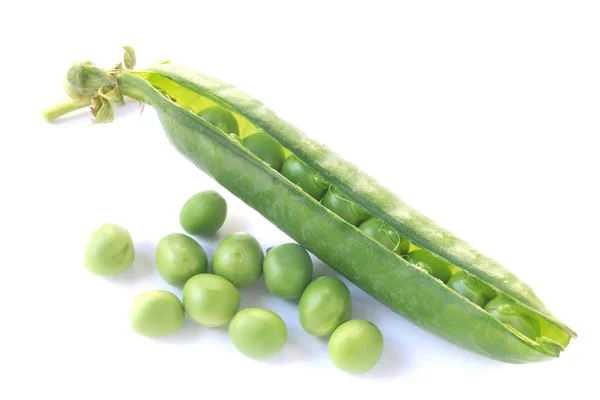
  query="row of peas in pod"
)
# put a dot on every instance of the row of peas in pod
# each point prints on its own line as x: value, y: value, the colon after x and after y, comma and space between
x: 213, y: 299
x: 309, y: 180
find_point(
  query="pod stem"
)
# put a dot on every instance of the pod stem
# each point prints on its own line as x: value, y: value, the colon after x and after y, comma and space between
x: 64, y: 107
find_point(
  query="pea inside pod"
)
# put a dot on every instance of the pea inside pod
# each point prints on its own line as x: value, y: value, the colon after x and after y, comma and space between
x: 220, y: 118
x: 341, y: 205
x: 324, y: 305
x: 299, y: 173
x: 386, y: 235
x: 469, y: 287
x: 424, y: 259
x: 507, y: 311
x: 266, y: 148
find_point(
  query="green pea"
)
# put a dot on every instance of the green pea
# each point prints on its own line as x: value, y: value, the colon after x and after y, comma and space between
x: 178, y: 258
x: 339, y: 204
x: 266, y: 148
x: 468, y: 286
x: 238, y: 258
x: 210, y: 300
x: 301, y: 174
x: 220, y: 118
x: 386, y: 235
x: 287, y: 270
x: 356, y: 346
x: 258, y: 333
x: 508, y: 312
x: 109, y: 250
x: 324, y: 305
x: 424, y: 259
x: 204, y: 213
x: 156, y: 313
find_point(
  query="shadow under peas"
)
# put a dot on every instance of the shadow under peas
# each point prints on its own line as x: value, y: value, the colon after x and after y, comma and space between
x: 143, y: 265
x: 189, y: 333
x: 389, y: 365
x: 322, y: 269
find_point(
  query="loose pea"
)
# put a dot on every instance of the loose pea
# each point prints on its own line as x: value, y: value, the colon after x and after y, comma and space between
x: 424, y: 259
x: 258, y: 333
x: 386, y: 235
x: 338, y: 203
x: 287, y: 270
x: 301, y: 174
x: 156, y: 313
x: 238, y: 258
x: 204, y: 213
x: 356, y: 346
x: 221, y: 118
x: 266, y: 148
x: 324, y: 305
x: 210, y: 300
x: 178, y: 258
x: 109, y: 250
x: 507, y: 311
x: 468, y: 286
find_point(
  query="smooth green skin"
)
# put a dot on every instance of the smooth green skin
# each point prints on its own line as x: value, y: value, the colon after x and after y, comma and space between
x: 258, y: 333
x: 439, y: 268
x: 508, y: 312
x: 266, y: 148
x: 324, y: 305
x: 356, y: 346
x: 178, y: 258
x: 220, y: 118
x: 239, y: 258
x: 210, y: 300
x: 156, y: 313
x: 468, y: 287
x: 386, y: 235
x: 298, y: 172
x: 109, y: 251
x: 287, y: 270
x: 339, y: 204
x: 204, y: 213
x: 391, y: 280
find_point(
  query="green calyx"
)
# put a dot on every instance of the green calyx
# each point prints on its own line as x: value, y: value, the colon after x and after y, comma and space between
x: 87, y: 84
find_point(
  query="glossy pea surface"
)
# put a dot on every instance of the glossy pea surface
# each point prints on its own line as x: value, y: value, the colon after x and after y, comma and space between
x: 204, y: 213
x: 324, y: 305
x: 221, y: 118
x: 301, y: 174
x: 178, y: 258
x: 239, y: 258
x: 109, y: 250
x: 508, y: 312
x: 156, y: 313
x: 210, y: 300
x: 287, y: 270
x: 386, y: 235
x: 356, y: 346
x: 258, y: 333
x: 424, y: 259
x: 469, y: 287
x: 345, y: 208
x: 266, y: 148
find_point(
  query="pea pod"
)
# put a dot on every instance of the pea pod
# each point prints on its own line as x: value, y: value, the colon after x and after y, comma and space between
x: 406, y: 288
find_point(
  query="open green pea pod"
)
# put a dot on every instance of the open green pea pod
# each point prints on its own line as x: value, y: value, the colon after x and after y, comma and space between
x: 404, y: 287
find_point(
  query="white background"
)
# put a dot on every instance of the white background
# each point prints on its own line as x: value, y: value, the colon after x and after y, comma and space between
x: 482, y: 115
